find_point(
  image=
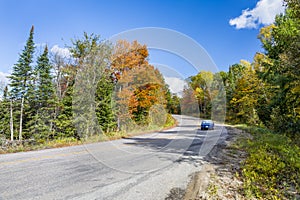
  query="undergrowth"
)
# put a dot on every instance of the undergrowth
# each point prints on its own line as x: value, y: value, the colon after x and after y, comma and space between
x: 70, y: 141
x: 272, y: 168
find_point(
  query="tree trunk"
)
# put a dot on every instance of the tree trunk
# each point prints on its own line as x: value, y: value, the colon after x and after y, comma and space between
x: 21, y: 118
x: 11, y: 122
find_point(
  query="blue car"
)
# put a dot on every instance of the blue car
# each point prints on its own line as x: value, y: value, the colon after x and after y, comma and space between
x: 207, y: 124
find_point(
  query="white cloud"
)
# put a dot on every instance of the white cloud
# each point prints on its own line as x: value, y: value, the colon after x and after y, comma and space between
x: 263, y: 13
x: 3, y: 82
x: 176, y: 85
x: 63, y: 52
x: 3, y: 78
x: 40, y: 45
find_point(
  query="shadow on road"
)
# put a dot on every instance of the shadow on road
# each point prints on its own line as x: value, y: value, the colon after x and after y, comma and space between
x: 188, y: 143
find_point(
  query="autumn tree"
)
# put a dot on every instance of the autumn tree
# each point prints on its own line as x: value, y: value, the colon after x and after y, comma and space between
x: 201, y: 84
x: 189, y: 102
x: 128, y: 56
x: 139, y: 87
x: 281, y: 43
x: 173, y: 102
x: 218, y: 97
x: 137, y: 91
x: 230, y: 82
x: 246, y: 94
x: 148, y: 91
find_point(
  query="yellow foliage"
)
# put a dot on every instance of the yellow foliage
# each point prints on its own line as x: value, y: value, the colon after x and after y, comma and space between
x: 265, y: 33
x: 260, y: 61
x: 128, y: 55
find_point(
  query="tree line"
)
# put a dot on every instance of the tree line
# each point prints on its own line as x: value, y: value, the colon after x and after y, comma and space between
x: 100, y: 88
x: 265, y: 92
x: 103, y: 88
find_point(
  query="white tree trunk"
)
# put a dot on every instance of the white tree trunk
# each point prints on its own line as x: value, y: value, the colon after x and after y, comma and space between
x: 11, y: 122
x: 21, y: 119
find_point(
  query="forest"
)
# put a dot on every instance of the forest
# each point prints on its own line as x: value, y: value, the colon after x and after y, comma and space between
x: 108, y: 89
x: 99, y: 90
x: 264, y: 92
x: 263, y: 98
x: 105, y: 88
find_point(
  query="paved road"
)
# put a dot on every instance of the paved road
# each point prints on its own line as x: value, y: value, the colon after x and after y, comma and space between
x: 141, y: 167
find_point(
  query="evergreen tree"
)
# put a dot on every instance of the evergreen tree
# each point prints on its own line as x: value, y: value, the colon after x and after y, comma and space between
x: 92, y: 56
x: 5, y: 115
x: 104, y: 103
x: 21, y: 81
x: 168, y: 95
x: 44, y: 101
x: 64, y: 121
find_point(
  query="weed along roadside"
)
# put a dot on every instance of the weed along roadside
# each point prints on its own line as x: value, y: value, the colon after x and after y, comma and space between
x: 252, y: 163
x: 272, y: 167
x: 32, y: 145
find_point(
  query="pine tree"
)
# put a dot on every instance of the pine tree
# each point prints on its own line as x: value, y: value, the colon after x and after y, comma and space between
x: 104, y: 104
x: 21, y: 80
x: 5, y: 115
x: 64, y: 121
x: 41, y: 124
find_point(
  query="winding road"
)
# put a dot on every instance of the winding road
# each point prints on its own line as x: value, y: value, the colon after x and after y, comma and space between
x: 142, y: 167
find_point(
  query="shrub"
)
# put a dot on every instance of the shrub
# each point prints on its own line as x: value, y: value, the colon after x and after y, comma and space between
x: 272, y: 169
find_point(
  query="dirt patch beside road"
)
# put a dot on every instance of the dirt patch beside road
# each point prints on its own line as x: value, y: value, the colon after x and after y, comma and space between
x: 218, y: 178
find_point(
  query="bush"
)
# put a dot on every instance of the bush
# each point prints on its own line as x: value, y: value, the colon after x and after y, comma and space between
x: 272, y: 169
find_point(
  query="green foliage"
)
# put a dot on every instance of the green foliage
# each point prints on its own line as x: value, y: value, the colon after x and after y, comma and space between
x: 5, y: 115
x: 272, y: 169
x: 206, y: 95
x: 280, y: 69
x: 64, y: 121
x: 244, y: 100
x: 83, y: 47
x: 92, y: 88
x: 201, y: 84
x: 173, y: 102
x: 105, y: 104
x: 21, y: 84
x: 170, y: 121
x: 267, y: 93
x: 189, y: 103
x: 44, y: 101
x: 22, y: 71
x: 218, y: 95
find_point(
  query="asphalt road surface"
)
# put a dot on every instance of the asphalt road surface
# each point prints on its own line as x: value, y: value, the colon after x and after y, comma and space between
x: 142, y: 167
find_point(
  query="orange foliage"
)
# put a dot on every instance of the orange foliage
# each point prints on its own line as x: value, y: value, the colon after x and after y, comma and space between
x: 127, y: 55
x: 139, y: 85
x: 138, y: 90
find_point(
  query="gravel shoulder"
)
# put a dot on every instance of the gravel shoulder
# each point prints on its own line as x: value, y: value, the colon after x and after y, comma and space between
x: 218, y: 178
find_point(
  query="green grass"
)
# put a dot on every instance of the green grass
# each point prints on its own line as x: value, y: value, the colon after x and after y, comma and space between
x: 64, y: 142
x: 272, y: 168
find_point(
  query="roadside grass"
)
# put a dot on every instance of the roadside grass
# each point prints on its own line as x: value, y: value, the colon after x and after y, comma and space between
x: 151, y: 128
x: 272, y: 168
x: 65, y: 142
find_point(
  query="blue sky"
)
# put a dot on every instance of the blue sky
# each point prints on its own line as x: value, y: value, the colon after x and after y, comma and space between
x: 227, y: 30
